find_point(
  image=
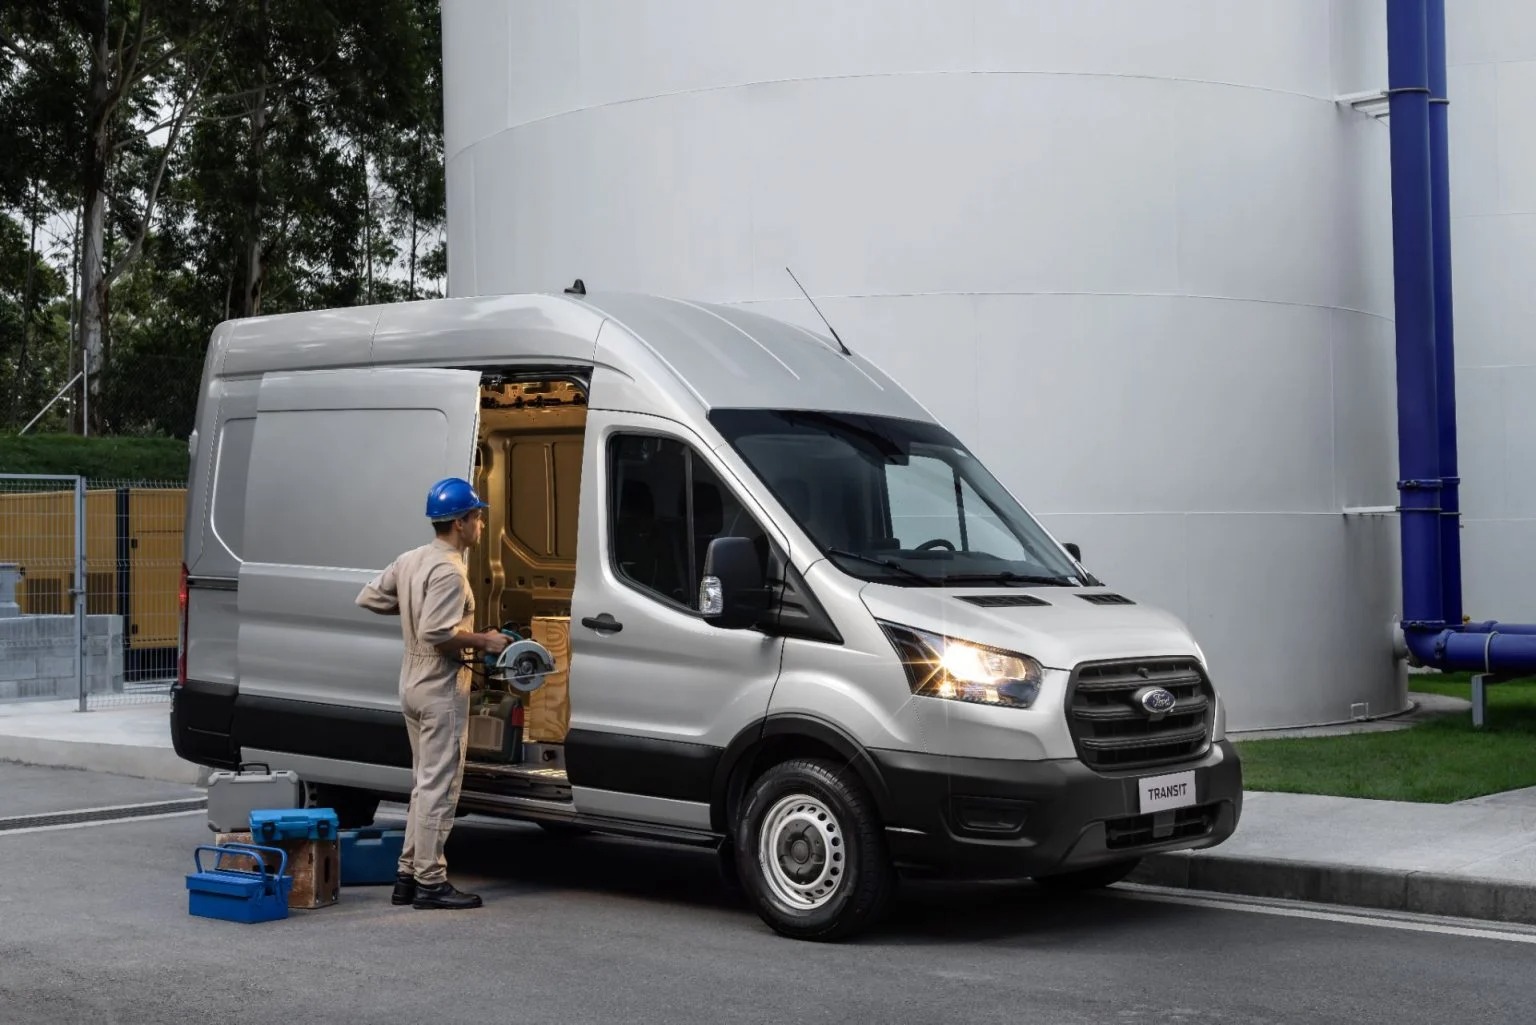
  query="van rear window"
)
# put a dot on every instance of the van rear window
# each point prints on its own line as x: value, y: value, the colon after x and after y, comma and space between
x: 231, y: 463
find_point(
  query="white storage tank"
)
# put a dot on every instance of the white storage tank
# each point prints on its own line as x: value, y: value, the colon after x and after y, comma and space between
x: 1491, y: 83
x: 1133, y: 254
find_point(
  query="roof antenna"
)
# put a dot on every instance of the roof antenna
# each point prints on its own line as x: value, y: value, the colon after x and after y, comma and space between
x: 579, y: 288
x: 823, y: 316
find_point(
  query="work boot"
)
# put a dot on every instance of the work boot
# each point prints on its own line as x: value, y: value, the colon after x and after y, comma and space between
x: 405, y: 889
x: 443, y: 896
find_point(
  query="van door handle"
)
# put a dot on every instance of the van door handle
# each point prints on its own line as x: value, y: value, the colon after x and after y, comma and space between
x: 603, y: 624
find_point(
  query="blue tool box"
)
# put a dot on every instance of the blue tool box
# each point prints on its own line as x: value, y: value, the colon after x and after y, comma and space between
x: 370, y: 856
x: 236, y: 895
x: 279, y: 825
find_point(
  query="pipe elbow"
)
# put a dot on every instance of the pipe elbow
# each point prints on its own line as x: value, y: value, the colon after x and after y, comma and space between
x: 1425, y: 647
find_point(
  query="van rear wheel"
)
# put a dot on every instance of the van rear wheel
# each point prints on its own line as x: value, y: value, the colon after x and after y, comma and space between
x: 811, y: 853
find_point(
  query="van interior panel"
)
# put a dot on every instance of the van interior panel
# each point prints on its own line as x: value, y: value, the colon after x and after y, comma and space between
x: 528, y: 467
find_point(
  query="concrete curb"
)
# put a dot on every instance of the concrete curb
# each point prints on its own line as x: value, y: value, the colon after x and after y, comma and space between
x: 1383, y: 889
x: 156, y: 763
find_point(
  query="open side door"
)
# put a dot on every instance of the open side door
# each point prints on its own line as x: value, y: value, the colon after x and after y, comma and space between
x: 340, y: 464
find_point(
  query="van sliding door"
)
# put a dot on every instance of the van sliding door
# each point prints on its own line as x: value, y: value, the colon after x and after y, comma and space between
x: 340, y: 464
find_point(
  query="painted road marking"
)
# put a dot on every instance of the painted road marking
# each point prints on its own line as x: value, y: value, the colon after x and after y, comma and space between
x: 1507, y: 932
x: 115, y: 811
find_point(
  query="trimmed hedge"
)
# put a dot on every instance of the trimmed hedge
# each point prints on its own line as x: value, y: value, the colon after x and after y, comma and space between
x: 104, y: 459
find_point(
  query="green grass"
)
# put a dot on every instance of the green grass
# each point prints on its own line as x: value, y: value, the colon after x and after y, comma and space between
x: 1438, y: 761
x: 107, y: 459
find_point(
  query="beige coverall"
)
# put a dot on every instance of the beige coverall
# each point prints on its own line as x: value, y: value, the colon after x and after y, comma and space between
x: 428, y: 588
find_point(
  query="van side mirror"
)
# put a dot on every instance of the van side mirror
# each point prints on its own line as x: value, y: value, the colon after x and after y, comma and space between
x: 733, y: 594
x: 1073, y: 550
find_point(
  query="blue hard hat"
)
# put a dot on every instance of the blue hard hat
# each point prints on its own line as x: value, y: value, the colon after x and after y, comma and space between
x: 451, y: 498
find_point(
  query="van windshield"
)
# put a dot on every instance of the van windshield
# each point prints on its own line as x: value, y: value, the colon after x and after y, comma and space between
x: 895, y: 501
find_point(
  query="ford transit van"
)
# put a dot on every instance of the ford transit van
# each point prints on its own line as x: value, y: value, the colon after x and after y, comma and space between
x: 794, y: 619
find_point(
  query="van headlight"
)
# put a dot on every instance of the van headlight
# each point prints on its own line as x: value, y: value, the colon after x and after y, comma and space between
x: 944, y: 667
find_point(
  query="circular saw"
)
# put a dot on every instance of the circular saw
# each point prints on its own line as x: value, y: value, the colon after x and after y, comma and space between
x: 522, y: 667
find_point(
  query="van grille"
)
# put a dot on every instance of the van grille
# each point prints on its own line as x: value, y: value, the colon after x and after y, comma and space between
x: 1112, y: 731
x: 1106, y: 599
x: 1162, y: 827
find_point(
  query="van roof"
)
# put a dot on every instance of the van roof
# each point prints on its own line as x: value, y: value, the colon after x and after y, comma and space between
x: 721, y: 356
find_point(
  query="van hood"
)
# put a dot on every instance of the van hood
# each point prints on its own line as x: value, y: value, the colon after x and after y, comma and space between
x: 1065, y: 631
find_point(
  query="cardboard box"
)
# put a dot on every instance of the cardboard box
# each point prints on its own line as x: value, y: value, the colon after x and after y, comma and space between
x: 314, y: 866
x: 548, y: 714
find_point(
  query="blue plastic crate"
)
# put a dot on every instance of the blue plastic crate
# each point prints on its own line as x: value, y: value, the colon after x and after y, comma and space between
x: 236, y: 895
x: 278, y: 825
x: 370, y: 856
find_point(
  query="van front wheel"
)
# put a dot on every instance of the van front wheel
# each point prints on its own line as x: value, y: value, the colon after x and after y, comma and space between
x: 811, y: 853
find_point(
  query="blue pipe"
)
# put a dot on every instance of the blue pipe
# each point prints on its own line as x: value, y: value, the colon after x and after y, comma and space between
x: 1445, y: 349
x: 1426, y: 401
x: 1493, y: 651
x: 1413, y: 282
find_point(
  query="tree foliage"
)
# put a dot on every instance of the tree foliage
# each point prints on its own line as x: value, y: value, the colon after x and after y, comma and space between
x: 189, y: 161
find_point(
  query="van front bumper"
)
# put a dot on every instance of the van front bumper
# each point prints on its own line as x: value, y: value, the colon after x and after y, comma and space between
x: 1001, y: 818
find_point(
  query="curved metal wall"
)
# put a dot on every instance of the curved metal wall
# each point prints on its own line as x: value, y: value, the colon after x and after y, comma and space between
x: 1491, y: 53
x: 1133, y: 254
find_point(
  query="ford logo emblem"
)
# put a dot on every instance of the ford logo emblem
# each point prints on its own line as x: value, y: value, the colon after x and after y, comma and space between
x: 1156, y: 700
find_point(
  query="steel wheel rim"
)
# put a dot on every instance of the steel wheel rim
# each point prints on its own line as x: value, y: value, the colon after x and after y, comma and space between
x: 801, y: 852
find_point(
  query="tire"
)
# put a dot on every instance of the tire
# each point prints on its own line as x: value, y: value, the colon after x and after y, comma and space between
x: 1095, y: 878
x: 354, y: 808
x: 811, y: 854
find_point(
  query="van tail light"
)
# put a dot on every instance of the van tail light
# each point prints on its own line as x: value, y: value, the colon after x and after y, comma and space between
x: 181, y: 653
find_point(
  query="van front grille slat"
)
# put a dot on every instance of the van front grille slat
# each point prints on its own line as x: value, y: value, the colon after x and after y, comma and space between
x: 1113, y: 732
x: 1160, y: 827
x: 1190, y: 708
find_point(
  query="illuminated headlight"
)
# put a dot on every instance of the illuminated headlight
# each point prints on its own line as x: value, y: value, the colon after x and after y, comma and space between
x: 943, y: 667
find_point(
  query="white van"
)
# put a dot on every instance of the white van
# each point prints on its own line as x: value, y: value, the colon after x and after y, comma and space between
x: 805, y: 626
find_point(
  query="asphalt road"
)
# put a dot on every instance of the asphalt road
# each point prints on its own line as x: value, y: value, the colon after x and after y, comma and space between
x: 93, y: 928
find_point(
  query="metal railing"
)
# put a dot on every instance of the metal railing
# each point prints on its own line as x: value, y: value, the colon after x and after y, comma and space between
x: 90, y: 577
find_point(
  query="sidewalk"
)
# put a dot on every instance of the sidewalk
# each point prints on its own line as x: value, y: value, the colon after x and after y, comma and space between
x: 134, y: 740
x: 1475, y: 859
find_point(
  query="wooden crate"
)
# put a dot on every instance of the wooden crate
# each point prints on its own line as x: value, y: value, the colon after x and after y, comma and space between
x: 548, y: 715
x: 315, y: 866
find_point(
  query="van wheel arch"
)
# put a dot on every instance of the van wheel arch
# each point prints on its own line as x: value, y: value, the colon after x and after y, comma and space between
x: 775, y: 740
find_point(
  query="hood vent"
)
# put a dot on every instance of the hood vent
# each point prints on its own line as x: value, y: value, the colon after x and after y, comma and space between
x: 1004, y: 601
x: 1107, y: 599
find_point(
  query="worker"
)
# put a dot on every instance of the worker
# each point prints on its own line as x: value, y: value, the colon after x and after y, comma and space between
x: 428, y: 588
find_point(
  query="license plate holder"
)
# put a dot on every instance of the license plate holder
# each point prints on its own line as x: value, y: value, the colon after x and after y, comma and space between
x: 1166, y: 792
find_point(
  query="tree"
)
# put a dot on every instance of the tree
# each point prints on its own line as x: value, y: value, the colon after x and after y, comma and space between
x: 224, y: 158
x: 39, y: 115
x: 33, y: 296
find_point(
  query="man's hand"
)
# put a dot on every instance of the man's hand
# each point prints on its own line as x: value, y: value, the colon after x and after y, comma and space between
x: 492, y: 641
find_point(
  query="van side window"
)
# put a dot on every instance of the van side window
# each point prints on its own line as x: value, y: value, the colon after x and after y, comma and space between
x: 666, y: 506
x: 231, y: 460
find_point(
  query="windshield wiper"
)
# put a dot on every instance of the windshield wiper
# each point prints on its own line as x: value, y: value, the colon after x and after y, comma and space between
x: 890, y: 564
x: 1009, y: 577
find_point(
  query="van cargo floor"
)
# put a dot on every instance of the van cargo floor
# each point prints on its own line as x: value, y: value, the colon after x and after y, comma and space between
x: 545, y: 784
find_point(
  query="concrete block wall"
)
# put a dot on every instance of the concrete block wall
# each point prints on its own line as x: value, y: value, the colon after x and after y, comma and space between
x: 37, y: 656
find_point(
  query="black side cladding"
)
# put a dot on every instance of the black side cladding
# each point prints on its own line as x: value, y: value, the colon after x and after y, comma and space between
x: 368, y: 735
x: 641, y: 765
x: 201, y: 714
